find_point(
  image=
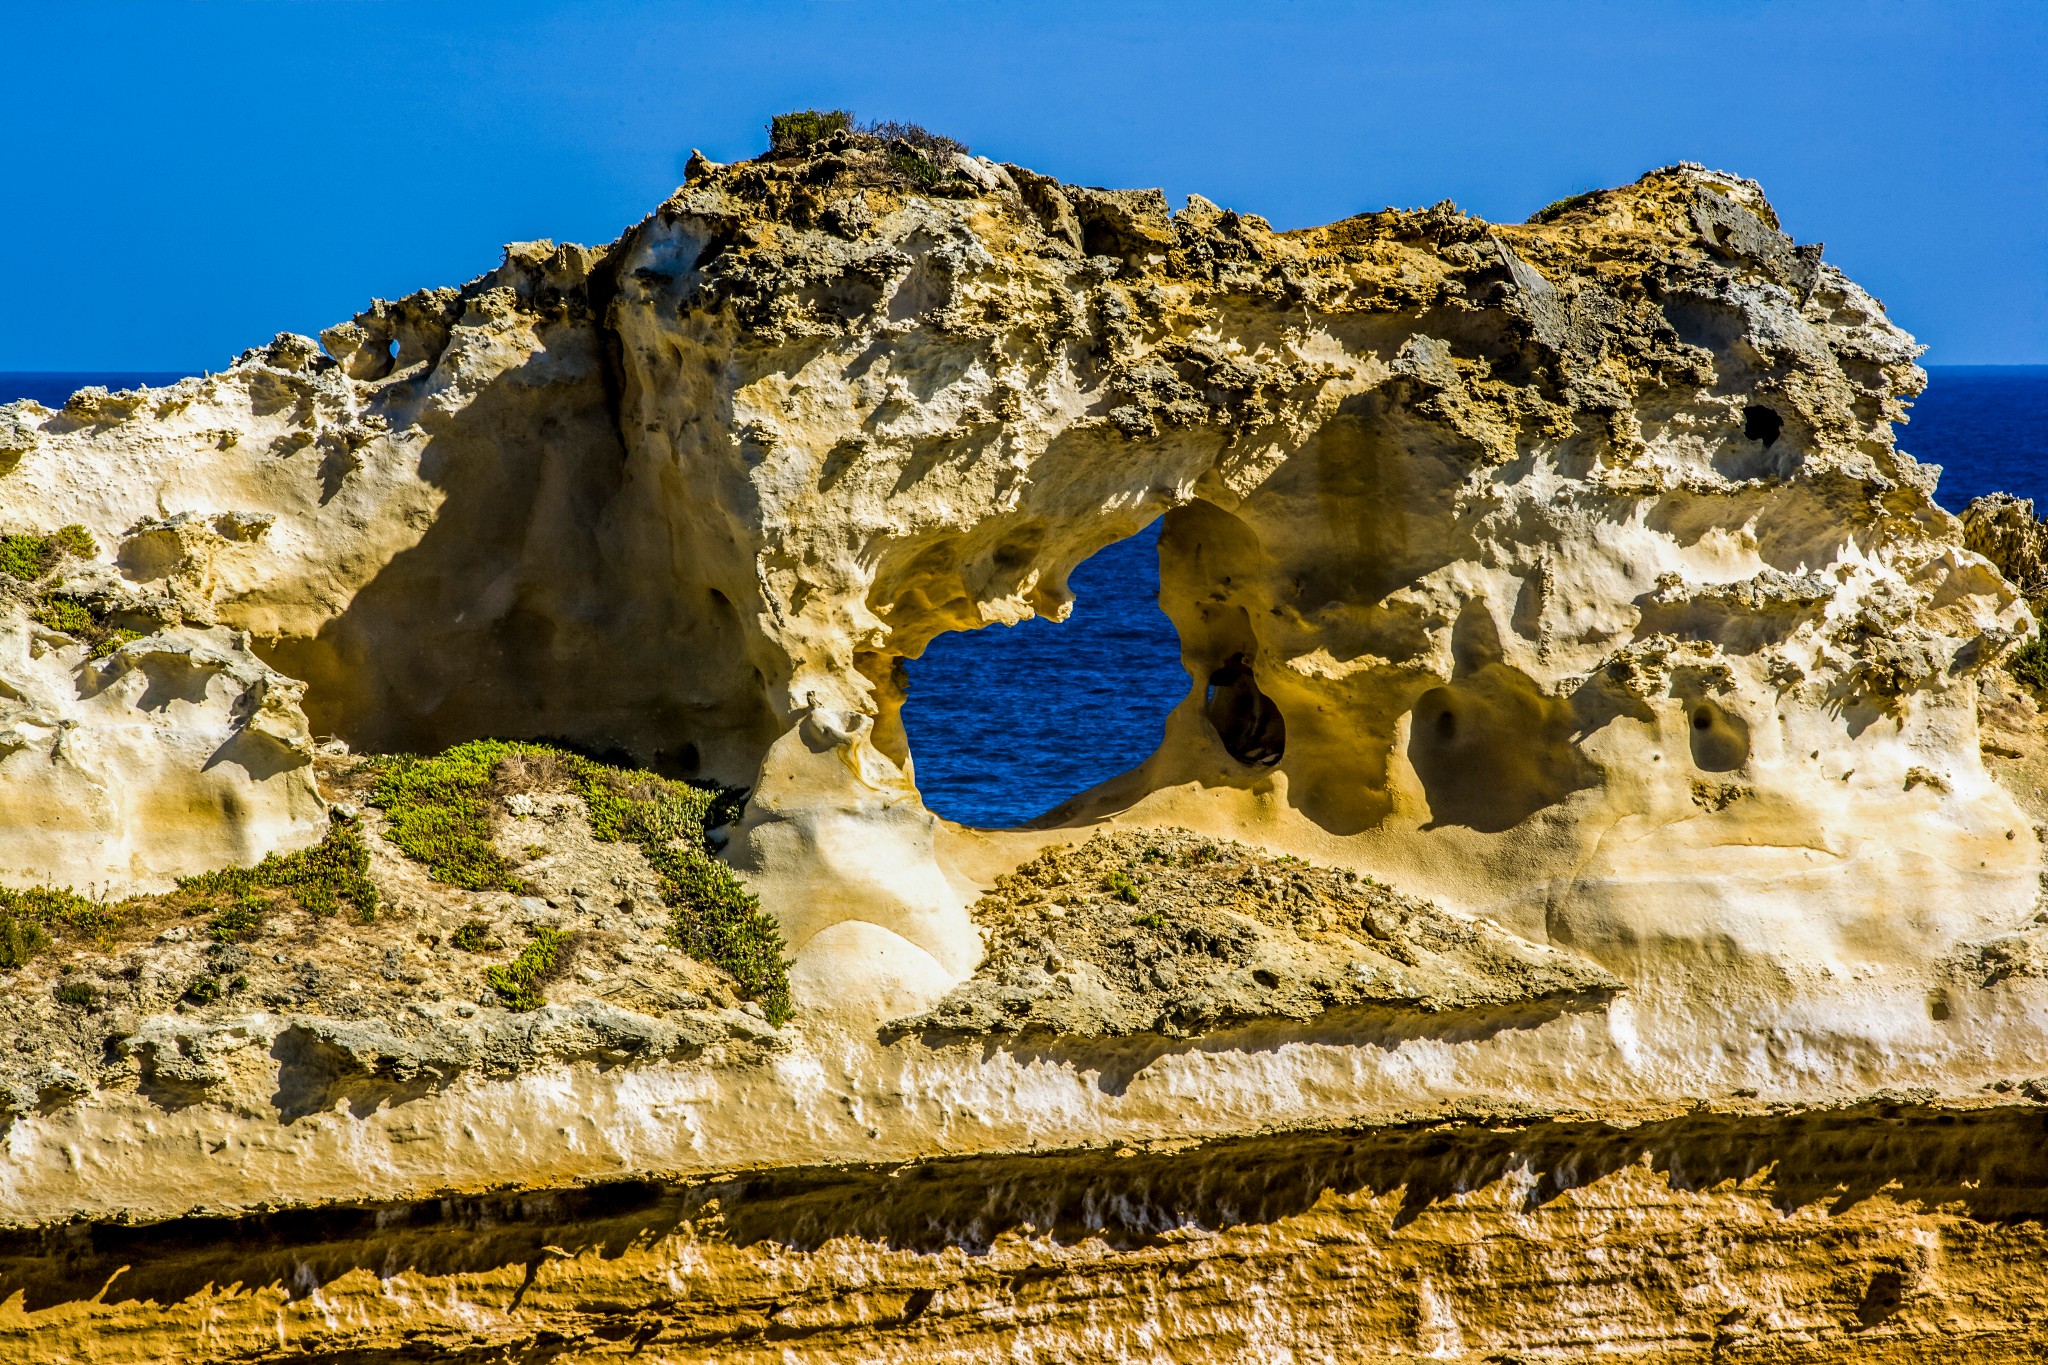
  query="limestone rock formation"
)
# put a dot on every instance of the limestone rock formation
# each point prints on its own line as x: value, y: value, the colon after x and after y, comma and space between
x: 1162, y: 933
x: 1563, y: 578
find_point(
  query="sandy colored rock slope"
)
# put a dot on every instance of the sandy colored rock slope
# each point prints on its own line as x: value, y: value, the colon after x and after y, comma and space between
x: 1562, y: 580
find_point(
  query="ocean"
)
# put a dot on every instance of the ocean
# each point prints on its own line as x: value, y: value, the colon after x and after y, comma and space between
x: 1008, y: 722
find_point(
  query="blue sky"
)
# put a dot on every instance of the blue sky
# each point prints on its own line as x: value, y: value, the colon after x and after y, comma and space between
x: 185, y: 179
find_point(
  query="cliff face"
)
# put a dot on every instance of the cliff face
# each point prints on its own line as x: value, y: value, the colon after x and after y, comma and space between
x: 1563, y: 577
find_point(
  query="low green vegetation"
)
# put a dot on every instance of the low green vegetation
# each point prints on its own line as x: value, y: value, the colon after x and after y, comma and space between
x: 915, y: 153
x: 518, y: 982
x: 1563, y: 206
x: 78, y: 618
x: 29, y: 557
x: 30, y: 918
x: 440, y: 811
x: 475, y: 936
x: 239, y: 922
x: 21, y: 938
x: 78, y: 995
x: 2029, y: 663
x: 324, y: 879
x: 332, y: 875
x: 797, y: 130
x: 1120, y: 885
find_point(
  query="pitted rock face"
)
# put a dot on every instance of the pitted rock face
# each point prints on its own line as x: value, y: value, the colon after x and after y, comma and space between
x: 1564, y: 572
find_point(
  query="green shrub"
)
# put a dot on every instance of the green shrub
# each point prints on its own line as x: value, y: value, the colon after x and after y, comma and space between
x: 21, y: 938
x: 797, y: 130
x: 239, y: 922
x: 2029, y: 663
x: 29, y: 557
x: 332, y: 874
x: 518, y: 982
x: 475, y: 936
x: 440, y: 812
x: 1119, y: 884
x: 1561, y: 207
x: 77, y: 994
x: 28, y: 917
x: 321, y: 879
x: 203, y: 990
x: 715, y: 919
x: 1151, y: 919
x: 78, y: 618
x: 936, y: 147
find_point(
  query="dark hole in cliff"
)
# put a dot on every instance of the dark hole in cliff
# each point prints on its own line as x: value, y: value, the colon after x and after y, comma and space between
x: 1720, y: 739
x: 1884, y: 1296
x: 1006, y: 722
x: 1491, y: 750
x: 1760, y: 423
x: 1244, y: 718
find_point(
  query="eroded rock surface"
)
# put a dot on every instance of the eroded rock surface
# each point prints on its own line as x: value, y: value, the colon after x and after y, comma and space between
x: 285, y: 1013
x: 1564, y: 579
x: 1169, y: 933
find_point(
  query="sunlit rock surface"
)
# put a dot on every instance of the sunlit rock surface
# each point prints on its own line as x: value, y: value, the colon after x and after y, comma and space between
x: 1562, y: 575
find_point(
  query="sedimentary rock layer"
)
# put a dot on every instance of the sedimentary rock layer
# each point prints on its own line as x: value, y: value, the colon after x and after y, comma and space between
x: 1881, y: 1232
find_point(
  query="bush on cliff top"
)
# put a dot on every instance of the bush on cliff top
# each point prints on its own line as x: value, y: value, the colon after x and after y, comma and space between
x: 799, y: 129
x: 915, y: 153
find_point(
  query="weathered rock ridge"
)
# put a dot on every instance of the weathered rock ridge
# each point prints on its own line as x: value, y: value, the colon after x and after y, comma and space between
x: 1563, y: 580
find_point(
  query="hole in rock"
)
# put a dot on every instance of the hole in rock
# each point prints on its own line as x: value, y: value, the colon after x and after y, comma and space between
x: 1491, y: 751
x: 1760, y: 423
x: 1720, y: 741
x: 1007, y: 722
x: 1882, y: 1298
x: 1245, y: 719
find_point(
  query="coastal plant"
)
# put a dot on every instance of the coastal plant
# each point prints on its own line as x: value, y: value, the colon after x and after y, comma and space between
x: 29, y: 557
x: 437, y: 812
x: 915, y: 152
x: 441, y: 811
x: 1561, y: 207
x: 519, y: 981
x: 238, y: 923
x: 323, y: 879
x: 21, y: 938
x: 2029, y: 663
x: 936, y: 147
x: 29, y: 919
x: 77, y: 994
x: 74, y: 616
x: 1120, y: 885
x: 799, y: 129
x: 475, y: 936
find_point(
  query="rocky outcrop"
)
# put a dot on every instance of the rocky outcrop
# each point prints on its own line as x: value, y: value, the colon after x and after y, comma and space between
x: 1173, y: 935
x: 1563, y: 579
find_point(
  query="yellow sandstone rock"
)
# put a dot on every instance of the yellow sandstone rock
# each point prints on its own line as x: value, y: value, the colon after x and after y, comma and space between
x: 1563, y: 577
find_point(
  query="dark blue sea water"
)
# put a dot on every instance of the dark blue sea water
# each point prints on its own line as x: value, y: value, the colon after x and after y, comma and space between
x: 1007, y: 722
